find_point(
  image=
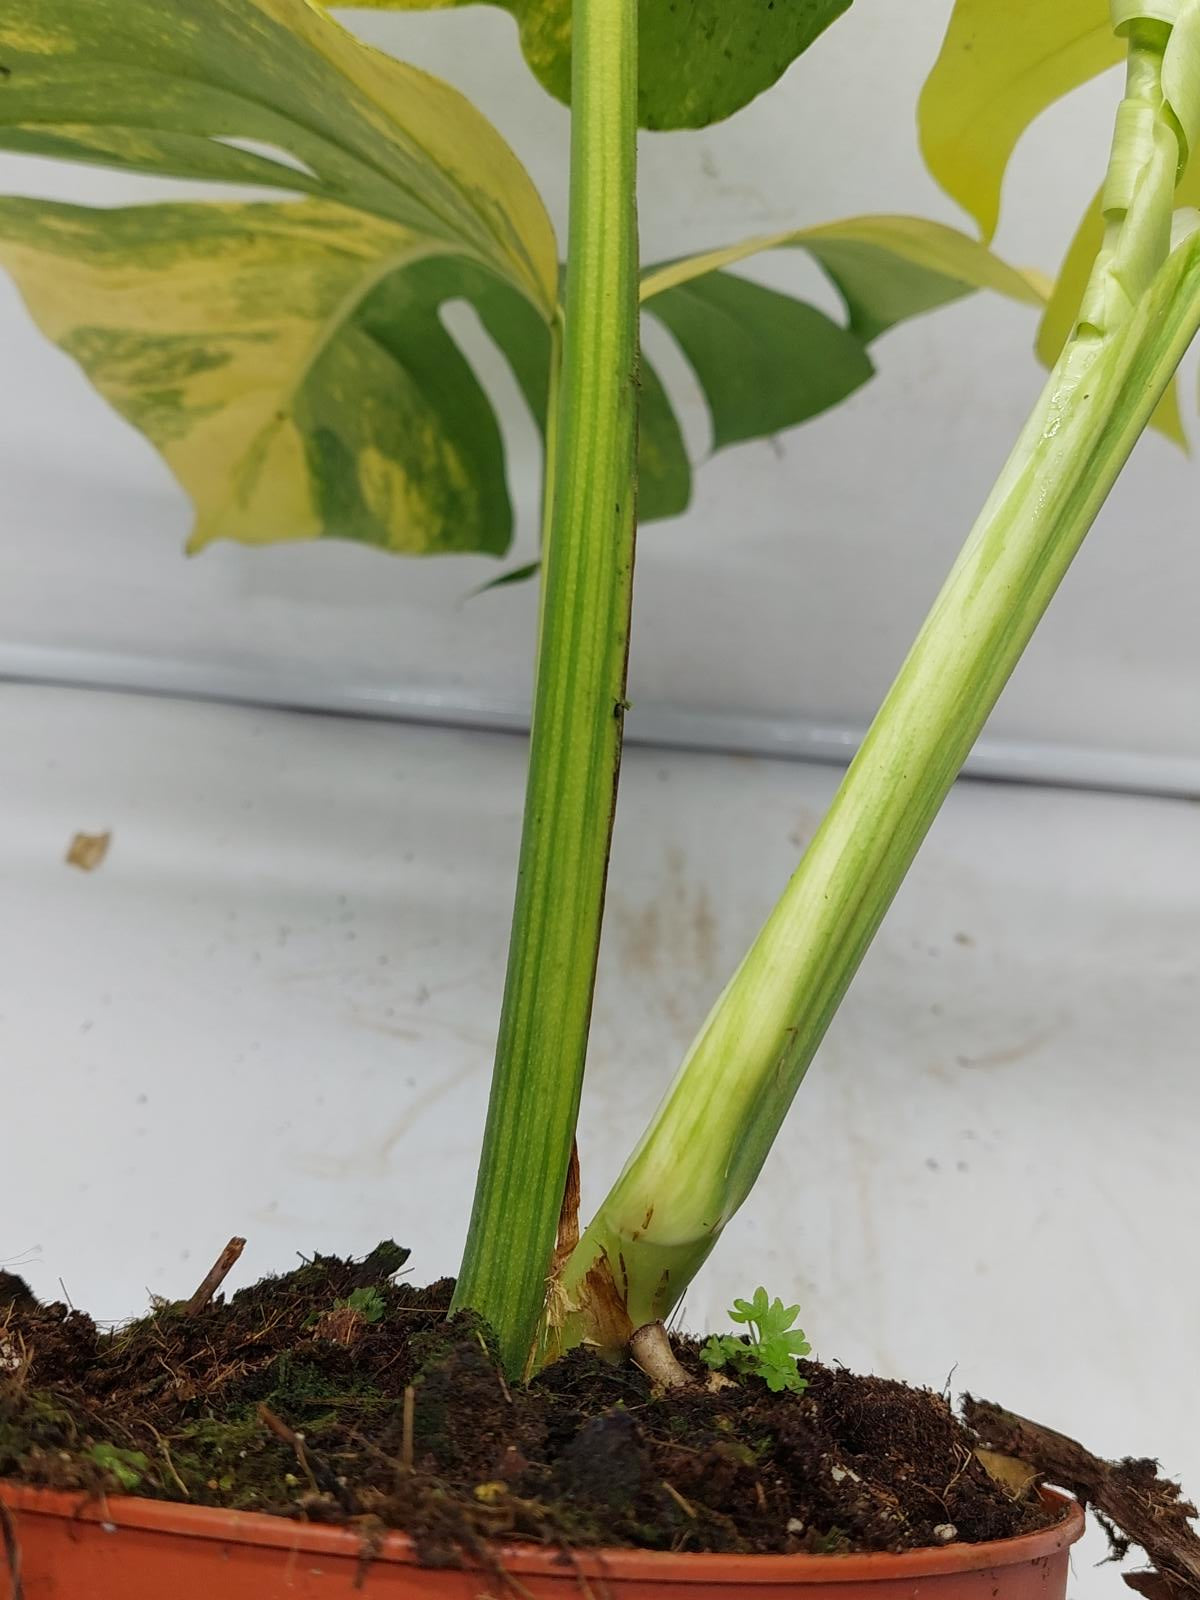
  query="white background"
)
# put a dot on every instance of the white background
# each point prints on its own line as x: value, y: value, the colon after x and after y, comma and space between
x: 272, y: 1010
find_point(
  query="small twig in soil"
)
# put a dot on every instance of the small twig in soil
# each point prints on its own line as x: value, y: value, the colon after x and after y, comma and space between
x: 685, y: 1506
x: 165, y: 1448
x: 1147, y: 1509
x: 321, y: 1478
x: 406, y: 1445
x: 966, y: 1460
x: 280, y: 1429
x: 651, y: 1350
x: 12, y: 1554
x: 504, y: 1389
x: 216, y: 1276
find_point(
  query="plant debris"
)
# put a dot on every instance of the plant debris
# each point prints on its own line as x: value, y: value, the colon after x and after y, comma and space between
x: 215, y: 1276
x: 1134, y: 1503
x: 87, y: 850
x: 336, y: 1393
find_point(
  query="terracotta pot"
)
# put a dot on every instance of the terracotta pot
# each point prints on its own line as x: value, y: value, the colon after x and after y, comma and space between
x: 131, y: 1549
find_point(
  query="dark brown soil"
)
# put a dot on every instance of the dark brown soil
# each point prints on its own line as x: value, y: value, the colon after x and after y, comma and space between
x: 406, y: 1420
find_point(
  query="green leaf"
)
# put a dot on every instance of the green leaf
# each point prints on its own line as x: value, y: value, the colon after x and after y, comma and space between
x: 764, y: 360
x: 779, y: 1373
x: 1001, y: 64
x: 157, y: 88
x: 297, y: 383
x: 886, y: 268
x: 700, y: 60
x: 778, y: 1320
x: 767, y: 361
x: 515, y: 575
x: 664, y: 484
x: 721, y: 1350
x: 751, y: 1310
x: 368, y: 1302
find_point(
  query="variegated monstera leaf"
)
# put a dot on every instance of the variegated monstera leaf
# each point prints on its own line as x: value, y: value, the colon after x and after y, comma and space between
x: 289, y: 357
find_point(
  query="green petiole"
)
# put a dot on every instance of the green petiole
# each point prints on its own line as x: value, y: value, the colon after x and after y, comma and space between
x: 579, y: 704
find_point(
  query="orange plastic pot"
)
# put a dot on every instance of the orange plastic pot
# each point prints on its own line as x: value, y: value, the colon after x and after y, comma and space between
x: 129, y: 1549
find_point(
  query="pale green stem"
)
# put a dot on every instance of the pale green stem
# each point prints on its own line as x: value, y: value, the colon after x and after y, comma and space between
x: 579, y: 704
x: 708, y: 1140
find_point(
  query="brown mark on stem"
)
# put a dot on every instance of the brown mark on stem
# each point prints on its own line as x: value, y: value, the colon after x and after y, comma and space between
x: 568, y: 1216
x: 567, y: 1237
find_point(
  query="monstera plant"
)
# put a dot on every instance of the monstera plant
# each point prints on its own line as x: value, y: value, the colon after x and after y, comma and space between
x: 289, y: 360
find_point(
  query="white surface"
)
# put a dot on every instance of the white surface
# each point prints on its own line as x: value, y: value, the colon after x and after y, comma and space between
x: 797, y: 580
x: 271, y: 1011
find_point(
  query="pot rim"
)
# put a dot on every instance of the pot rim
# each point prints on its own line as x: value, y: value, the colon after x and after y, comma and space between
x: 281, y: 1533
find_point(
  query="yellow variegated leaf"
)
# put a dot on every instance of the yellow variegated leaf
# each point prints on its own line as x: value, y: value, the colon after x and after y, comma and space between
x: 270, y: 92
x: 1001, y: 64
x: 886, y: 268
x: 287, y: 360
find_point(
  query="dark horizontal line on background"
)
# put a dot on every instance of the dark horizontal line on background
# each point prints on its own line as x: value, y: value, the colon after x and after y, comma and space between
x: 665, y: 727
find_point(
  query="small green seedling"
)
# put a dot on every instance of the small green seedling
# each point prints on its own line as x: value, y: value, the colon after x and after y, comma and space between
x: 774, y: 1347
x: 369, y: 1304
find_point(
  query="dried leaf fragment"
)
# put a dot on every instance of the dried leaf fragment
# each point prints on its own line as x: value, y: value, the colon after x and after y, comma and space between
x: 1011, y: 1472
x: 87, y: 850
